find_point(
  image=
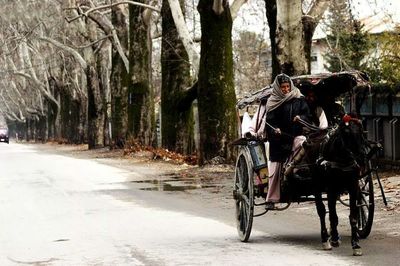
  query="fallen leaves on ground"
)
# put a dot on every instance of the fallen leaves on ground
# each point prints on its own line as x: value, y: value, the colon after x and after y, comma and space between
x: 133, y: 147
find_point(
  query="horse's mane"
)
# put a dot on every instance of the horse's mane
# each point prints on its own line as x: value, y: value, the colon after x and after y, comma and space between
x: 338, y: 149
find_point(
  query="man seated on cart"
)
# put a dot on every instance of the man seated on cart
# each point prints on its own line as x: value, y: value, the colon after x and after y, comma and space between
x: 318, y: 116
x: 277, y: 118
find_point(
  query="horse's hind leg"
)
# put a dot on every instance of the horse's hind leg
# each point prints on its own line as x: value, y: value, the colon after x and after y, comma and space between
x: 333, y: 219
x: 357, y: 251
x: 321, y: 213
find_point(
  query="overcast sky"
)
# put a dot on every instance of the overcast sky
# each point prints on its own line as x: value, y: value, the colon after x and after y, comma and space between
x: 390, y: 8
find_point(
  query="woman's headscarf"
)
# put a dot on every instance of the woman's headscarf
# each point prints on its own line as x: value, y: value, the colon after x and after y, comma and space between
x: 277, y: 96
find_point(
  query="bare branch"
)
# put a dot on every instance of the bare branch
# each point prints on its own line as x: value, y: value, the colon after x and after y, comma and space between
x: 235, y: 7
x: 68, y: 49
x: 106, y: 25
x: 184, y: 34
x: 80, y: 14
x: 40, y: 85
x: 92, y: 43
x: 318, y: 9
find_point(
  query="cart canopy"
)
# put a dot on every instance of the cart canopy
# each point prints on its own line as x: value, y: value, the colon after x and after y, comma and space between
x: 327, y: 87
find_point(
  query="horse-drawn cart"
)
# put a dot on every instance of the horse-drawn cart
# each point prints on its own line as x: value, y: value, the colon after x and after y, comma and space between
x: 250, y: 189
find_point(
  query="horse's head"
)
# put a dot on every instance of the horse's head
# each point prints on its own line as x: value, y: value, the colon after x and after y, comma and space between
x: 347, y: 143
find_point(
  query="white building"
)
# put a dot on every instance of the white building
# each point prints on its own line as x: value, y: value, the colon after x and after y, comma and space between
x: 374, y: 25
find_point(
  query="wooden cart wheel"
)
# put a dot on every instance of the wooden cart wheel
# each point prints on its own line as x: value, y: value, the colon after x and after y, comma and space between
x: 365, y: 203
x: 243, y: 194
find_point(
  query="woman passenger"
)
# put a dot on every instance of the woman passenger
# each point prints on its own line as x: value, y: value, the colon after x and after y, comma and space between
x: 285, y: 105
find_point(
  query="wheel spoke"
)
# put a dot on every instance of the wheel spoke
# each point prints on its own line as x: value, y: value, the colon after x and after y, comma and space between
x: 362, y: 218
x: 362, y: 212
x: 241, y: 218
x: 246, y: 199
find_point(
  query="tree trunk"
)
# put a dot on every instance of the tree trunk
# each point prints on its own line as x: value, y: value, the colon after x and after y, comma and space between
x: 96, y: 112
x: 55, y: 110
x: 291, y: 34
x: 216, y: 94
x: 141, y: 96
x: 42, y: 129
x: 309, y: 26
x: 270, y: 7
x: 119, y: 80
x: 95, y: 96
x: 176, y: 112
x: 103, y: 70
x: 83, y: 121
x: 70, y: 117
x: 28, y: 129
x: 290, y: 44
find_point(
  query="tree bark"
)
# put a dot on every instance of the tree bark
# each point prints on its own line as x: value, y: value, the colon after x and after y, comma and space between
x: 291, y: 34
x: 310, y: 22
x: 216, y: 95
x: 141, y: 96
x: 177, y: 122
x: 95, y: 101
x: 119, y: 80
x: 270, y: 6
x: 104, y: 71
x: 290, y: 44
x: 96, y: 112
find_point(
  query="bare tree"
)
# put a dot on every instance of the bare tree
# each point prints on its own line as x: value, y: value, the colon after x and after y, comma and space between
x: 215, y: 90
x: 177, y: 124
x: 291, y: 32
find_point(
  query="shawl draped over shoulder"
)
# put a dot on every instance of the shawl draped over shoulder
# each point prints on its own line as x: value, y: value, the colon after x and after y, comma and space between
x: 277, y: 96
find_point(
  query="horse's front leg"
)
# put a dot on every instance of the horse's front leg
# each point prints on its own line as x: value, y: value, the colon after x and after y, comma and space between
x: 333, y: 218
x: 321, y: 213
x: 354, y: 193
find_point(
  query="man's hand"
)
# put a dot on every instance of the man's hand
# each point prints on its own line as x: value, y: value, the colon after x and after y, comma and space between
x: 278, y: 131
x: 296, y: 118
x: 250, y: 135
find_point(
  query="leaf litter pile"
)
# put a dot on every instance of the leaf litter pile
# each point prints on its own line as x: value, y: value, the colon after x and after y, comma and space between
x: 132, y: 148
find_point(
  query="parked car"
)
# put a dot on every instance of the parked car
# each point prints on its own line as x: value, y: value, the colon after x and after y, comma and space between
x: 4, y: 135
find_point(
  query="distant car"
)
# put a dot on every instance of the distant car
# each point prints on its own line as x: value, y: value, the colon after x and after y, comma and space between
x: 4, y: 135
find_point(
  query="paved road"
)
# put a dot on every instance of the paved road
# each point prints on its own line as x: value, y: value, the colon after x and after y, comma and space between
x: 60, y: 210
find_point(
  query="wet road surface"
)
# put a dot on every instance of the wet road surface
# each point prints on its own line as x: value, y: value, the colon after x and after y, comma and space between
x: 59, y: 210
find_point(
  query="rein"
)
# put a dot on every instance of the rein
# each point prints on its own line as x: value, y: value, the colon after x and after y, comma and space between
x: 343, y: 167
x: 282, y: 133
x: 308, y: 125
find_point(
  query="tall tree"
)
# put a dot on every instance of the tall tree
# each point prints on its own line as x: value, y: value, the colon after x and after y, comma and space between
x: 176, y: 99
x: 141, y: 95
x: 270, y: 7
x: 291, y: 32
x: 290, y: 36
x: 384, y: 67
x: 348, y: 43
x: 250, y: 54
x: 119, y: 77
x: 216, y: 94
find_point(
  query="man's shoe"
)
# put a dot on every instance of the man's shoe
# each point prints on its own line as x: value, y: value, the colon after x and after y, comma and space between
x: 269, y: 206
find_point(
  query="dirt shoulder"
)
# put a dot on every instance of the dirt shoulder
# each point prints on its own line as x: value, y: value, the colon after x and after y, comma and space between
x: 213, y: 183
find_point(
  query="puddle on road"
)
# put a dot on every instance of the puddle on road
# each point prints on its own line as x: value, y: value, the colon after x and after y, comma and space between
x: 175, y: 183
x: 61, y: 240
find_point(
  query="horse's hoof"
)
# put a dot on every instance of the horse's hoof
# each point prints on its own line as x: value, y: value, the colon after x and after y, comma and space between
x: 326, y: 245
x: 335, y: 243
x: 357, y: 252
